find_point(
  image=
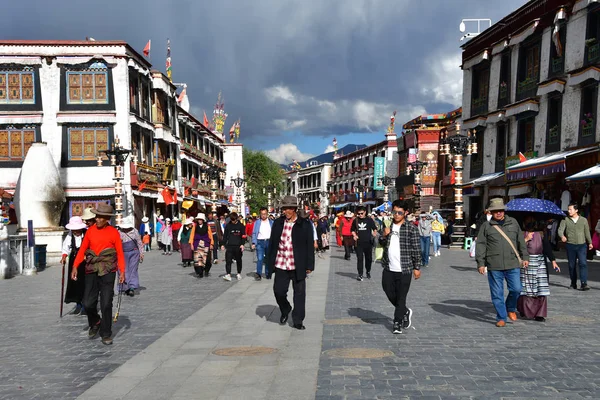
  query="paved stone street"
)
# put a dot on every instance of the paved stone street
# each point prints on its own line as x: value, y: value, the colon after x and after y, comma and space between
x: 46, y: 357
x: 455, y: 351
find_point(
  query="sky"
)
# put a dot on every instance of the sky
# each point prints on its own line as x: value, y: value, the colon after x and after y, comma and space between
x: 296, y: 73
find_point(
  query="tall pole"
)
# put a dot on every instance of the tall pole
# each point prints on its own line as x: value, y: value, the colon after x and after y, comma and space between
x: 117, y: 156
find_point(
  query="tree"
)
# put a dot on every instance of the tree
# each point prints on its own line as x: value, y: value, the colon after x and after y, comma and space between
x: 259, y: 171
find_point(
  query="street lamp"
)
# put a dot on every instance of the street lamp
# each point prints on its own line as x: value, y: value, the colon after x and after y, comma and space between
x: 360, y: 188
x: 238, y: 183
x: 270, y: 190
x: 214, y: 174
x: 117, y: 156
x: 417, y: 167
x: 458, y: 146
x: 386, y: 181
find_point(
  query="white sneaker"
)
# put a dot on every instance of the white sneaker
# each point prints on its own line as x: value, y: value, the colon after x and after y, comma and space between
x: 238, y: 276
x: 227, y: 277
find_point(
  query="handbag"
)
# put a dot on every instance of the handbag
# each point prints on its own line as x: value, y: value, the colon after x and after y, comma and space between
x: 472, y: 249
x: 596, y: 241
x: 512, y: 246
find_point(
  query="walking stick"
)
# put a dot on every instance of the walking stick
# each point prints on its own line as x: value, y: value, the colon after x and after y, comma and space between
x: 118, y: 302
x: 62, y: 289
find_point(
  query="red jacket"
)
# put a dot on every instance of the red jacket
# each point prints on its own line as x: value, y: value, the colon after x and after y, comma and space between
x: 249, y: 228
x: 346, y: 226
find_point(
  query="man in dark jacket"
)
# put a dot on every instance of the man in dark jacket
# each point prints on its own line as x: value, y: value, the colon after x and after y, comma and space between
x: 364, y: 231
x: 291, y: 256
x: 495, y: 255
x: 233, y: 244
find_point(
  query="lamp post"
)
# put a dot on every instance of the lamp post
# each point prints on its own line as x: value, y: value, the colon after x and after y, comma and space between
x: 386, y: 181
x: 457, y: 146
x: 270, y: 190
x: 417, y: 167
x: 238, y: 183
x: 117, y: 156
x: 214, y: 174
x: 360, y: 188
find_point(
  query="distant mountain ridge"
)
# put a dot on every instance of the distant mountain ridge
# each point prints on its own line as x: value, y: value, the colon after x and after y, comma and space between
x: 327, y: 157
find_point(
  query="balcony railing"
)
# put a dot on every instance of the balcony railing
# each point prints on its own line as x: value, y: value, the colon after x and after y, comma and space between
x: 553, y: 135
x: 503, y: 98
x: 592, y: 48
x: 527, y: 88
x: 587, y: 129
x: 557, y: 66
x: 479, y: 106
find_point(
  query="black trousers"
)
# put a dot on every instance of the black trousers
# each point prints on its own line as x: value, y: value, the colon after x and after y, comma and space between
x: 105, y: 286
x: 280, y: 288
x: 396, y: 286
x: 364, y: 255
x: 231, y: 253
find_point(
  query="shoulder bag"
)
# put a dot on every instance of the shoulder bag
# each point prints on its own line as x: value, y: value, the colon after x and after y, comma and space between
x: 512, y: 246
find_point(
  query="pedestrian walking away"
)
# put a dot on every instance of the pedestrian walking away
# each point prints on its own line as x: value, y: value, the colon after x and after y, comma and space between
x: 103, y: 253
x: 575, y: 232
x: 346, y: 231
x: 212, y: 225
x: 233, y: 244
x: 146, y: 230
x: 401, y: 261
x: 185, y: 242
x: 261, y: 233
x: 70, y: 247
x: 425, y: 234
x: 133, y: 250
x: 364, y: 232
x: 201, y: 241
x: 501, y: 253
x: 291, y: 256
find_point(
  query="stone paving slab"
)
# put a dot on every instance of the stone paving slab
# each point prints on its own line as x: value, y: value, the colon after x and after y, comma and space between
x: 454, y: 350
x: 44, y: 356
x: 182, y: 364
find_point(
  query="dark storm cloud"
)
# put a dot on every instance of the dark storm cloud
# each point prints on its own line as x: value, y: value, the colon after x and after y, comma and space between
x: 322, y: 67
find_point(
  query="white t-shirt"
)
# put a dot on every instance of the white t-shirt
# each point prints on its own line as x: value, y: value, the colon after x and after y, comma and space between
x: 264, y: 230
x: 394, y: 249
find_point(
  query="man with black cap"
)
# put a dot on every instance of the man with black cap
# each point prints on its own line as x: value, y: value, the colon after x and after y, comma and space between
x: 291, y: 256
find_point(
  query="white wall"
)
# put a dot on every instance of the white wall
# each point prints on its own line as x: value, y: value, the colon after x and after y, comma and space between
x: 233, y: 157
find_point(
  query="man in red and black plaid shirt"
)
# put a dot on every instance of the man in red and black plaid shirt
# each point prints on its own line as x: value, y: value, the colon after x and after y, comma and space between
x: 291, y: 256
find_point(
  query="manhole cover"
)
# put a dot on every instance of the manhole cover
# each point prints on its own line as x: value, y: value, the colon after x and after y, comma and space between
x: 244, y: 351
x: 358, y: 353
x: 343, y: 321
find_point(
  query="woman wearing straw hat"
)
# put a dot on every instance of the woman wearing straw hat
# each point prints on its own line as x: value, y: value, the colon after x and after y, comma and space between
x: 185, y: 233
x: 70, y: 247
x: 133, y: 249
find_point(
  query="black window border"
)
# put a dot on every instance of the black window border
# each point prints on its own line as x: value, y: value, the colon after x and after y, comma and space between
x: 552, y: 148
x: 522, y: 68
x: 552, y: 56
x: 64, y: 154
x: 522, y: 117
x: 499, y: 167
x: 38, y: 139
x: 508, y: 56
x: 37, y: 105
x: 479, y: 69
x: 110, y: 106
x: 584, y: 141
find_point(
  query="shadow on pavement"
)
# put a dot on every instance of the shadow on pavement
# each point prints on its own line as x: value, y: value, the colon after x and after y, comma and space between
x: 371, y: 317
x: 266, y: 311
x: 122, y: 323
x: 351, y: 275
x: 475, y: 310
x: 467, y: 269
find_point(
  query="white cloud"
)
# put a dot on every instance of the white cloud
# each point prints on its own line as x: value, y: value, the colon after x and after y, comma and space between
x: 445, y: 79
x: 329, y: 149
x: 286, y: 153
x: 285, y: 125
x: 275, y: 93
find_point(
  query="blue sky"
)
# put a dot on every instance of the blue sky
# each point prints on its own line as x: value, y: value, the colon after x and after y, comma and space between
x: 297, y: 73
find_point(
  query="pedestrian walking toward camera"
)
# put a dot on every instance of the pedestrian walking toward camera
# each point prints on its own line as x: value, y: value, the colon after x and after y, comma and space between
x: 425, y: 234
x: 575, y: 232
x: 70, y: 247
x: 146, y: 229
x: 437, y: 230
x: 401, y: 261
x: 233, y: 244
x: 201, y: 241
x: 133, y: 250
x: 261, y: 234
x: 501, y: 251
x: 291, y: 257
x: 166, y: 237
x: 212, y: 225
x: 346, y: 231
x: 364, y: 231
x: 103, y: 253
x: 185, y: 241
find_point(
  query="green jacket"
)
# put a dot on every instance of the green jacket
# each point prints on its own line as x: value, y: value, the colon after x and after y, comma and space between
x: 494, y: 252
x: 576, y: 233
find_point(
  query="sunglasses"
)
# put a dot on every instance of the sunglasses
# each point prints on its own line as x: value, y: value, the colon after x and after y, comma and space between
x: 397, y: 212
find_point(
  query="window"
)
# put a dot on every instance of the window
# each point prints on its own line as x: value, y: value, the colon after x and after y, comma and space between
x: 477, y: 159
x: 587, y: 128
x: 529, y: 70
x: 17, y: 87
x: 89, y: 86
x: 504, y: 85
x: 592, y: 44
x: 15, y: 142
x: 554, y: 126
x: 501, y: 140
x: 134, y: 94
x: 557, y: 53
x: 86, y: 142
x: 525, y: 134
x: 145, y: 100
x: 480, y: 89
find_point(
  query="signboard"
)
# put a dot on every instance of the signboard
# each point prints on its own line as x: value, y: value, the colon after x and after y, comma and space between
x: 514, y: 160
x: 429, y: 152
x: 30, y: 234
x: 378, y: 173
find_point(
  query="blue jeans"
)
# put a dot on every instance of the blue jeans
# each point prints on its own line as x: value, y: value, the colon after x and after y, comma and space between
x: 577, y: 252
x: 262, y: 246
x: 425, y: 249
x: 513, y: 281
x: 437, y: 241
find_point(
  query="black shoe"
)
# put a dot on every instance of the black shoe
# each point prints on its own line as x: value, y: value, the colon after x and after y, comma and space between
x: 284, y: 318
x: 573, y: 286
x: 268, y: 276
x: 540, y: 319
x: 368, y: 275
x: 94, y: 330
x: 131, y: 293
x: 257, y: 277
x: 359, y: 278
x: 77, y: 310
x: 299, y: 327
x: 407, y: 320
x: 397, y: 328
x: 584, y: 287
x: 107, y: 341
x: 207, y: 274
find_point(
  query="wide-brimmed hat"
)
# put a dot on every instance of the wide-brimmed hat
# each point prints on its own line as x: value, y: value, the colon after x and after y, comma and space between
x: 175, y: 219
x: 289, y: 201
x: 201, y: 216
x: 126, y: 223
x: 145, y: 219
x: 104, y: 210
x: 160, y: 216
x: 348, y: 214
x: 168, y: 220
x: 88, y: 214
x: 189, y: 220
x: 75, y: 224
x: 496, y: 204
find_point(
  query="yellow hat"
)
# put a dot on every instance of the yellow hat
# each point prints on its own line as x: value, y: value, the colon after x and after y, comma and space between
x: 254, y: 214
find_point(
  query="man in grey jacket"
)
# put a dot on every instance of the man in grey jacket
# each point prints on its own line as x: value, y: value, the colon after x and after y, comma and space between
x: 425, y: 233
x: 495, y: 254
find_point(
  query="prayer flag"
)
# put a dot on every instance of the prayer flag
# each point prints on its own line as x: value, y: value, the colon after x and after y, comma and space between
x: 522, y: 158
x: 168, y: 63
x: 147, y: 49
